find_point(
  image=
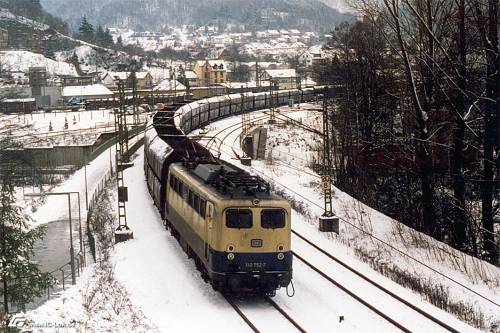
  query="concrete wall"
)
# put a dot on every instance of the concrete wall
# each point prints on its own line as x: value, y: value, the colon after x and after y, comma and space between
x: 74, y: 155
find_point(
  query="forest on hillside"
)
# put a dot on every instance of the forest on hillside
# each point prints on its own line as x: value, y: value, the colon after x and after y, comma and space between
x: 417, y: 123
x: 158, y: 15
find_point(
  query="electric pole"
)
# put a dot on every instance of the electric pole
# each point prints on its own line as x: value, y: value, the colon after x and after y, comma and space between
x: 134, y: 97
x: 328, y: 222
x: 245, y: 138
x: 123, y: 232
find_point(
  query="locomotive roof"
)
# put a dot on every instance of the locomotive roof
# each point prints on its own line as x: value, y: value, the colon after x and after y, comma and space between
x: 225, y: 181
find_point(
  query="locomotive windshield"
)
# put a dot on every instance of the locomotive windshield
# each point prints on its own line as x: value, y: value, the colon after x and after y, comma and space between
x: 239, y: 218
x: 272, y: 218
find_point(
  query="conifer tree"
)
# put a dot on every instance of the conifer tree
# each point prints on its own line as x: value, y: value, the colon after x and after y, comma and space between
x: 108, y: 39
x: 21, y: 278
x: 100, y: 36
x: 86, y: 30
x: 119, y: 43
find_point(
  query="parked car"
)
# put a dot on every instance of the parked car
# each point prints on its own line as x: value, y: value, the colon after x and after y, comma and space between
x: 76, y: 101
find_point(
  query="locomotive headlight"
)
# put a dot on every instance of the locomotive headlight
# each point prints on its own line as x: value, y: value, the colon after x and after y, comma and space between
x: 230, y: 256
x: 281, y: 256
x: 230, y: 248
x: 280, y: 247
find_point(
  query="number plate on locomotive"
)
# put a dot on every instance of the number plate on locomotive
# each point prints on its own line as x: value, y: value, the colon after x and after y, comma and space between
x: 255, y: 264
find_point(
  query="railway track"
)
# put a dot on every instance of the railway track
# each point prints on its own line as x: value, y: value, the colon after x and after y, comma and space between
x: 236, y: 127
x: 356, y: 274
x: 255, y: 313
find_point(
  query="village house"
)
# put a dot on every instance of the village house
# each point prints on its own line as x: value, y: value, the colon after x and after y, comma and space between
x: 191, y: 79
x: 144, y: 80
x: 85, y: 93
x: 169, y: 86
x: 282, y: 78
x: 210, y: 72
x: 313, y: 56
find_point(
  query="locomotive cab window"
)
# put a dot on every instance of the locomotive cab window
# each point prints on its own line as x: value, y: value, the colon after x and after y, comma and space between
x: 272, y: 218
x: 239, y: 218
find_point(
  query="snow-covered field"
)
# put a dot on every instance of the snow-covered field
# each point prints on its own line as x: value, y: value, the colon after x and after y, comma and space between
x: 21, y: 61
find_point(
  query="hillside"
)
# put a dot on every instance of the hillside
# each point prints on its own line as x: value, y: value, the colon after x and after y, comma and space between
x: 158, y: 15
x: 340, y: 5
x: 33, y: 11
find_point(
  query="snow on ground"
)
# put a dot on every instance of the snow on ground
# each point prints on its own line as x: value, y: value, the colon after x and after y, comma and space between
x: 160, y: 278
x: 84, y: 127
x: 160, y: 282
x: 85, y: 53
x: 291, y: 151
x: 164, y: 285
x: 169, y: 290
x: 53, y: 208
x: 6, y: 14
x: 21, y: 61
x: 95, y: 304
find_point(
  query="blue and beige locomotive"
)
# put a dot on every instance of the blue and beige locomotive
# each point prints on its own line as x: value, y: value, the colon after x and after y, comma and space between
x: 237, y: 231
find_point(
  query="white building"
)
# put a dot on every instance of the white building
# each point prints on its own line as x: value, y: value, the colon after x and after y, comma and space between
x: 283, y: 78
x: 313, y: 56
x: 169, y: 86
x: 94, y: 91
x: 144, y: 79
x: 191, y: 78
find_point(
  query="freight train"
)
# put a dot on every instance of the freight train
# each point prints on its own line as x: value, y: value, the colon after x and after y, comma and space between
x: 236, y: 231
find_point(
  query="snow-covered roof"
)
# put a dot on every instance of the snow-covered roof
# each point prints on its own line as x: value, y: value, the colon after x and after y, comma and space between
x: 190, y: 75
x: 308, y: 83
x: 201, y: 63
x: 167, y: 84
x: 18, y: 100
x: 316, y: 49
x: 91, y: 90
x: 120, y: 75
x: 141, y: 75
x: 281, y: 73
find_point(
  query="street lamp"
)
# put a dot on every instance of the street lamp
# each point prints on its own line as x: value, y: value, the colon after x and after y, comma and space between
x: 72, y: 250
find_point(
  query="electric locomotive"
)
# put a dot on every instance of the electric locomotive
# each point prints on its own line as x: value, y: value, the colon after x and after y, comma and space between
x: 237, y: 231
